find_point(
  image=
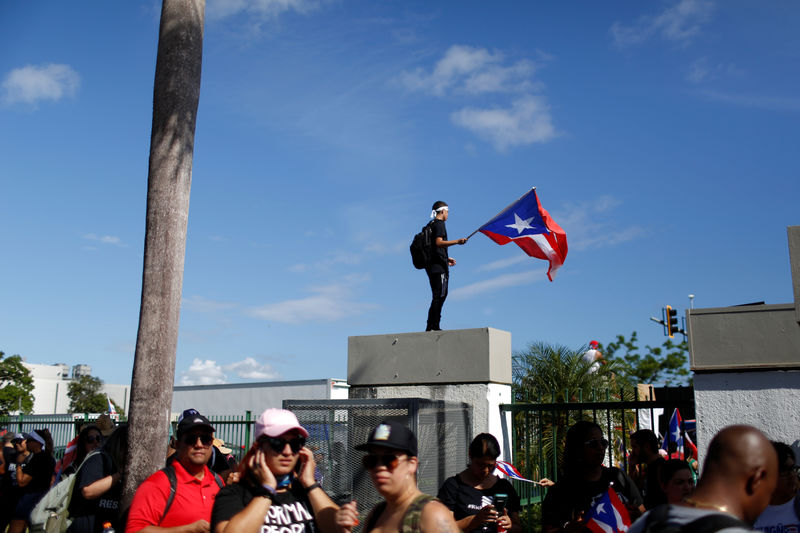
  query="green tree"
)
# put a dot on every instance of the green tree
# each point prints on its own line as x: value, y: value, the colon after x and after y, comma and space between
x: 555, y: 373
x: 665, y: 364
x: 16, y: 385
x: 85, y: 395
x: 552, y: 373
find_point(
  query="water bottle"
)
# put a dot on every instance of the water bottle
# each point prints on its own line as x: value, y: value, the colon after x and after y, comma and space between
x: 107, y: 528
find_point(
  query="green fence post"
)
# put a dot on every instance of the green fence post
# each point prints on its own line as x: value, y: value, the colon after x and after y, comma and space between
x: 247, y: 416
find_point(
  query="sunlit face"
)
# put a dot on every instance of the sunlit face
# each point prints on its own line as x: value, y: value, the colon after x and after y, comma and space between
x: 194, y: 448
x: 284, y: 461
x: 392, y: 471
x: 481, y: 467
x: 679, y: 486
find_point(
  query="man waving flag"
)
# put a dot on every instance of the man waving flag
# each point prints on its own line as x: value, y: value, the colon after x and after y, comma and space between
x: 530, y: 226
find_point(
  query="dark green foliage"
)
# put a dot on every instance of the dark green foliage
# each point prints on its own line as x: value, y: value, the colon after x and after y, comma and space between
x: 16, y: 385
x: 665, y: 364
x: 85, y: 395
x: 554, y: 373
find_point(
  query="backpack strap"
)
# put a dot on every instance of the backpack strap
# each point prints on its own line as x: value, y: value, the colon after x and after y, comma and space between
x: 218, y: 479
x: 413, y: 515
x: 169, y: 471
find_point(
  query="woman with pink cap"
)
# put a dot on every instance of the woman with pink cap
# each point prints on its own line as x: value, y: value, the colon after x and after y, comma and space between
x: 277, y: 488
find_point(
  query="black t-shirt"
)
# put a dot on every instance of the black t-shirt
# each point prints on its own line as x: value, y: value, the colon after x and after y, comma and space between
x: 89, y: 515
x: 40, y: 468
x: 439, y: 256
x: 289, y: 512
x: 570, y: 497
x: 465, y: 500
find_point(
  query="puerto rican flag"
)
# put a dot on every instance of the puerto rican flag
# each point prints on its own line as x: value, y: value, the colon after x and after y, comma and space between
x: 674, y: 434
x: 529, y: 226
x: 608, y: 514
x: 510, y: 471
x: 111, y: 409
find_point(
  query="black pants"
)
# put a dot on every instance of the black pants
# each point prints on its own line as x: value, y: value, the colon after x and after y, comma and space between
x: 438, y: 282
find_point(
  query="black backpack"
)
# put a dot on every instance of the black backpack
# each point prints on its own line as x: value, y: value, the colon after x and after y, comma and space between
x: 422, y: 247
x: 656, y: 523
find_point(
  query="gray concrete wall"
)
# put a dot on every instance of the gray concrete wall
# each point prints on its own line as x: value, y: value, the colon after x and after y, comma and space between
x: 480, y: 355
x: 768, y: 400
x: 793, y: 234
x: 743, y: 337
x: 468, y: 365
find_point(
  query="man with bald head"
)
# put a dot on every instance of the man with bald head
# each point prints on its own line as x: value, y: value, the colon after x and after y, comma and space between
x: 739, y: 475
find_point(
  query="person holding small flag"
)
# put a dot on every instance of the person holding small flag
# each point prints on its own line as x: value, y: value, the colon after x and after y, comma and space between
x: 481, y: 501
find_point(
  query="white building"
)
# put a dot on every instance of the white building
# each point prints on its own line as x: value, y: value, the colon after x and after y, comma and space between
x: 51, y: 384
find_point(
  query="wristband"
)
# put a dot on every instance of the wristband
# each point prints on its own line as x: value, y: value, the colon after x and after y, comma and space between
x: 266, y: 491
x: 313, y: 486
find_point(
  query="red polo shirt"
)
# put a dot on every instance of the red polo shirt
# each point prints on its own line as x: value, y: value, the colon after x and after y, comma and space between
x: 193, y: 500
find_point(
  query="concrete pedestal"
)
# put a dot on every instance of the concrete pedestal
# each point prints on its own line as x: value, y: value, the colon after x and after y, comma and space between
x: 468, y: 365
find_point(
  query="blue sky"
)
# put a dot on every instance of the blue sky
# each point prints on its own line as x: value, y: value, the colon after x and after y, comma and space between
x: 662, y: 136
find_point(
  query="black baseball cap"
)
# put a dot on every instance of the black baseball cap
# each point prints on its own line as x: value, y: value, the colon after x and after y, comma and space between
x: 391, y: 434
x: 193, y: 421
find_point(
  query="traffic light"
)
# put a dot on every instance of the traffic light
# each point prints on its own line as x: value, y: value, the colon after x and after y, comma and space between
x: 671, y: 322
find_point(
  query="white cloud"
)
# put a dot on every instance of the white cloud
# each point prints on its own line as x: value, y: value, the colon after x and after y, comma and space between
x: 678, y: 23
x: 500, y: 282
x: 504, y: 263
x: 702, y: 70
x: 105, y: 239
x: 327, y: 303
x: 473, y: 71
x: 588, y: 224
x: 31, y: 84
x: 206, y: 372
x: 527, y: 121
x: 249, y: 368
x: 217, y: 9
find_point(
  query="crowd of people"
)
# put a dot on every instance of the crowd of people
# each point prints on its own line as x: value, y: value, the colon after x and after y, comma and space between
x: 275, y: 487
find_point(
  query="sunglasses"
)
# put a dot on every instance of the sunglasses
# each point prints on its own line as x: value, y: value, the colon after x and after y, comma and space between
x: 191, y: 440
x: 278, y: 445
x: 596, y: 443
x: 373, y: 460
x: 91, y: 439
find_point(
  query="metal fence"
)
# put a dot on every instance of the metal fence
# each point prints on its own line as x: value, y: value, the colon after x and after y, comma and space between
x: 537, y: 432
x: 443, y: 430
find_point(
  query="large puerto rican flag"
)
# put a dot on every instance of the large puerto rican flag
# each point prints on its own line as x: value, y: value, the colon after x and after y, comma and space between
x: 608, y: 515
x: 530, y: 226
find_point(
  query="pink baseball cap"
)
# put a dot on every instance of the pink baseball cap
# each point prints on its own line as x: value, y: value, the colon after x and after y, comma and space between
x: 276, y: 422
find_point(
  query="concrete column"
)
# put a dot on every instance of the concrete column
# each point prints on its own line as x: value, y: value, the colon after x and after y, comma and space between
x: 467, y: 365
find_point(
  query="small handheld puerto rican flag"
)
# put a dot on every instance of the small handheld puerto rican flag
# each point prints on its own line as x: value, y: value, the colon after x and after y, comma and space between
x: 510, y: 472
x: 111, y: 409
x: 608, y: 514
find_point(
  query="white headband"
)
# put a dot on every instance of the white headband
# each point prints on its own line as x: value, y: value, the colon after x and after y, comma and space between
x: 35, y: 436
x: 443, y: 208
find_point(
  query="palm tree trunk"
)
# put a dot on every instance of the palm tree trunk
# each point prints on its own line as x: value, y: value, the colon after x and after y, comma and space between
x: 175, y: 98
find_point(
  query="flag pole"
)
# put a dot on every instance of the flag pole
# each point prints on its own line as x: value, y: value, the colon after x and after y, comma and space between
x: 500, y: 213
